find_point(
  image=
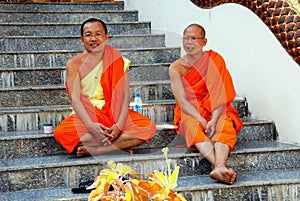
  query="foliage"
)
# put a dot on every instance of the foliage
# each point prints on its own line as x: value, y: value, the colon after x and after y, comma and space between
x: 122, y: 183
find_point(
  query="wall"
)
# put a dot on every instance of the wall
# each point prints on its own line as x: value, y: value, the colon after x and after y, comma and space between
x: 261, y: 69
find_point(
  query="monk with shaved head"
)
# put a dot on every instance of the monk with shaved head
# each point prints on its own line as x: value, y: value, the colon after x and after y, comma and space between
x: 203, y: 89
x: 98, y: 88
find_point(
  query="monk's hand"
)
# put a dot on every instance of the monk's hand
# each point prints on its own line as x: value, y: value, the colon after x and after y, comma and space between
x: 210, y: 128
x: 98, y: 131
x: 113, y: 132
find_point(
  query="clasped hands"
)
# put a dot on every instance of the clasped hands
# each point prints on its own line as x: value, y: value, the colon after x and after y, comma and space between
x: 103, y: 134
x: 209, y: 127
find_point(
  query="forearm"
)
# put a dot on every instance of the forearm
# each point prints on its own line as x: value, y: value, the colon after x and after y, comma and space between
x: 189, y: 109
x: 123, y: 115
x: 217, y: 113
x: 125, y: 104
x: 81, y: 112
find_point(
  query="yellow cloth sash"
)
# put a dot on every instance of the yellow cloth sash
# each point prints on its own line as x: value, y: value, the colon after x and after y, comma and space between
x: 91, y: 85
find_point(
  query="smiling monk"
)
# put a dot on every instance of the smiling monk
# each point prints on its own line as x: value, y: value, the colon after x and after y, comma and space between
x: 98, y: 88
x: 203, y: 90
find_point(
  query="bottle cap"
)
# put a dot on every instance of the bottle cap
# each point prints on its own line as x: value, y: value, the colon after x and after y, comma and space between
x: 137, y: 95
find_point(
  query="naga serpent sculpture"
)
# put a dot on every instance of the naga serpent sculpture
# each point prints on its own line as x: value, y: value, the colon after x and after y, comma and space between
x: 281, y: 17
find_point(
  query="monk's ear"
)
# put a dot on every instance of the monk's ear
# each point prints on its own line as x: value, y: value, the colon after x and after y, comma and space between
x: 81, y: 39
x: 204, y: 41
x: 106, y: 36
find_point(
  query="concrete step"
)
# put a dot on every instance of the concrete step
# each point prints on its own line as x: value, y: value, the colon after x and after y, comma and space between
x: 259, y: 186
x: 149, y: 72
x: 67, y: 17
x: 69, y: 29
x: 33, y: 117
x: 10, y: 77
x: 73, y: 43
x: 60, y: 7
x: 13, y: 77
x: 50, y: 95
x: 152, y: 92
x: 36, y: 143
x: 33, y: 96
x: 67, y: 171
x: 42, y: 59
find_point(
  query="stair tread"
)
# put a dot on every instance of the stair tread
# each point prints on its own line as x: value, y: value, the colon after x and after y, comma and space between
x: 68, y: 107
x: 76, y: 37
x: 68, y: 12
x: 77, y: 51
x: 12, y: 135
x: 185, y: 184
x: 54, y: 107
x: 258, y: 178
x: 63, y: 67
x: 65, y: 24
x: 121, y: 156
x: 58, y: 86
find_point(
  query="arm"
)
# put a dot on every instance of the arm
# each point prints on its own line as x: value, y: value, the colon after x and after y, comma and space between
x: 211, y: 125
x: 116, y: 129
x: 74, y: 87
x: 178, y: 90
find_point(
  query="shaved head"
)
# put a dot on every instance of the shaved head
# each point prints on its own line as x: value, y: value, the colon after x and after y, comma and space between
x: 201, y: 29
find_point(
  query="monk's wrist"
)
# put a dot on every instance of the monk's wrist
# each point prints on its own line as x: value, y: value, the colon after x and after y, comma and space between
x: 120, y: 126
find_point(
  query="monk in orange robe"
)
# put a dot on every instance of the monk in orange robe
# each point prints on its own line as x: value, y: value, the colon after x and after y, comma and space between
x: 98, y: 88
x: 203, y: 90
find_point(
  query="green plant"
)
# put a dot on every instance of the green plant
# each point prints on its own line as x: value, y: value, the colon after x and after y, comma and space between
x: 122, y: 183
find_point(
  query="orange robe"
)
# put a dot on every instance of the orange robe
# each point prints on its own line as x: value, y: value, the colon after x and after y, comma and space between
x: 69, y: 131
x: 207, y: 86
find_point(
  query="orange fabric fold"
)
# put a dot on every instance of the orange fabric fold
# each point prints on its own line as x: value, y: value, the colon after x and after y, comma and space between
x: 207, y: 86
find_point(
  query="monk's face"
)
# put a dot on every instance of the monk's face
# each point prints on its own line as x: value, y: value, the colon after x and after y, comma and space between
x: 193, y: 40
x: 94, y: 37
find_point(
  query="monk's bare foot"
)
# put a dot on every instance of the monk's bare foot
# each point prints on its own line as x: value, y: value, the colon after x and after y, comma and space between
x: 223, y: 174
x: 82, y: 152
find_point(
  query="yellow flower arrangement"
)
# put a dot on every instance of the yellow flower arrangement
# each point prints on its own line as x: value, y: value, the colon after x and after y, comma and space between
x: 111, y: 184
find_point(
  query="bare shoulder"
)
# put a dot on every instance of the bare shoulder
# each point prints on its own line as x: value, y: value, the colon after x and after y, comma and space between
x: 180, y: 66
x: 75, y: 62
x: 176, y: 65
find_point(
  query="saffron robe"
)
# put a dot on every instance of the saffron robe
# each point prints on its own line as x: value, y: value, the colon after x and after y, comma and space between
x: 103, y: 101
x: 207, y: 86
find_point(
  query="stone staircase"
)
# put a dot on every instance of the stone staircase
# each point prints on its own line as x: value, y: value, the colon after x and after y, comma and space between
x: 36, y: 40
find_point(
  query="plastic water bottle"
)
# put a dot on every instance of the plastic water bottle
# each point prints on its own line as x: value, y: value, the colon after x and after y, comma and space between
x: 137, y: 105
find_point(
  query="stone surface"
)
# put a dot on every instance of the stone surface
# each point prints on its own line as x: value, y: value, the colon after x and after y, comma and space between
x: 152, y: 72
x: 59, y: 43
x: 34, y: 96
x: 60, y: 7
x: 31, y: 77
x: 67, y: 17
x: 59, y: 58
x: 56, y: 75
x: 16, y: 30
x: 254, y: 156
x: 260, y: 186
x: 160, y: 112
x: 36, y: 143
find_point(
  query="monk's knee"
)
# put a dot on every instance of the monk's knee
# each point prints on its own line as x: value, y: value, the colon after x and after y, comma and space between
x: 152, y: 128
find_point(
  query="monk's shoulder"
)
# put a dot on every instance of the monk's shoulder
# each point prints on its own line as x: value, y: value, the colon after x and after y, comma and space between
x: 217, y: 57
x: 75, y: 62
x: 179, y: 66
x: 175, y: 64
